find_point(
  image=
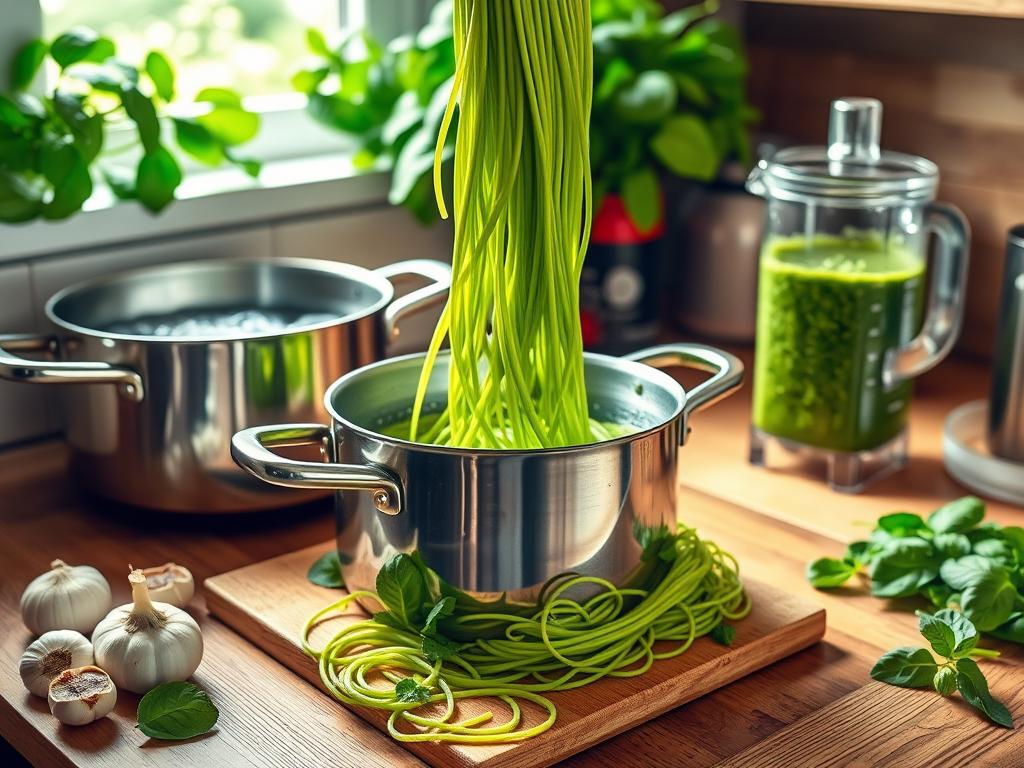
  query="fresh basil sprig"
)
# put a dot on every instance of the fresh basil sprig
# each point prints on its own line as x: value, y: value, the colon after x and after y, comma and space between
x: 952, y: 559
x: 175, y: 711
x: 954, y: 638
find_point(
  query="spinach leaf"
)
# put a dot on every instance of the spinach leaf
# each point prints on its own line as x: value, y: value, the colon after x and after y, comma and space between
x: 326, y: 571
x: 906, y: 667
x: 903, y: 567
x: 175, y: 711
x: 962, y: 572
x: 988, y: 601
x: 901, y: 524
x: 442, y: 608
x: 401, y: 587
x: 951, y: 545
x: 1012, y: 629
x: 957, y: 516
x: 937, y: 594
x: 974, y: 688
x: 827, y: 572
x: 439, y: 648
x: 996, y: 550
x: 408, y: 690
x: 723, y: 634
x: 859, y: 552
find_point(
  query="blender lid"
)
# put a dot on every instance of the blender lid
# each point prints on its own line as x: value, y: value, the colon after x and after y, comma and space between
x: 852, y: 167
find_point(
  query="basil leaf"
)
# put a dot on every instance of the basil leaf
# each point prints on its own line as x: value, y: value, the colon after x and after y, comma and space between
x: 326, y: 571
x: 160, y: 72
x: 828, y: 573
x: 937, y: 594
x: 996, y: 550
x: 80, y: 44
x: 723, y: 634
x: 684, y: 145
x: 964, y: 632
x: 401, y: 587
x: 1012, y: 629
x: 1014, y: 534
x: 988, y: 602
x: 26, y: 63
x: 974, y: 688
x: 938, y: 633
x: 951, y: 545
x: 859, y: 552
x: 174, y: 711
x: 648, y: 100
x: 439, y: 648
x: 903, y: 567
x: 408, y: 690
x: 441, y: 609
x: 142, y: 112
x: 906, y: 667
x: 900, y: 524
x: 944, y: 681
x: 641, y: 194
x: 388, y: 619
x: 157, y: 177
x: 957, y: 516
x: 964, y: 571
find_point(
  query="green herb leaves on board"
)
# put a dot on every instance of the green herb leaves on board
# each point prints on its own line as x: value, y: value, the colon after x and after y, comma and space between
x: 326, y: 571
x: 101, y: 119
x: 953, y: 560
x: 176, y: 711
x: 954, y: 638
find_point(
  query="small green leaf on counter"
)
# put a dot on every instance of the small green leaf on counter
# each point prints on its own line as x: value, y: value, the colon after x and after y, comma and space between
x: 175, y: 711
x: 901, y: 524
x: 401, y: 587
x: 827, y: 572
x: 388, y: 619
x: 408, y: 690
x: 957, y: 516
x: 988, y: 601
x: 326, y: 571
x: 903, y: 567
x: 723, y: 634
x: 906, y: 667
x: 951, y: 544
x: 938, y: 633
x: 974, y: 688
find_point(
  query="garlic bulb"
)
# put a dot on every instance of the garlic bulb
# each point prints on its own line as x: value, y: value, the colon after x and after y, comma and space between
x: 66, y: 597
x: 79, y: 696
x: 170, y: 583
x: 50, y: 655
x: 143, y: 644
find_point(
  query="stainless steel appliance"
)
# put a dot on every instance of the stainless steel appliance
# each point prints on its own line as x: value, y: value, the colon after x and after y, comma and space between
x: 493, y: 521
x: 1006, y: 407
x: 149, y: 417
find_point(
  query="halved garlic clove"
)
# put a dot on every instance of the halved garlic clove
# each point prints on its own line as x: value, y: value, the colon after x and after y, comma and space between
x: 50, y: 655
x: 170, y: 583
x: 79, y: 696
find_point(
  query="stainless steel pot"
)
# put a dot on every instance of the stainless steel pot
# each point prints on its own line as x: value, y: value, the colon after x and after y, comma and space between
x: 151, y: 418
x: 491, y: 521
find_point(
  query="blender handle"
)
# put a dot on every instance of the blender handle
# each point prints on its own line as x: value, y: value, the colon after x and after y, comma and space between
x: 941, y: 326
x: 727, y: 370
x: 250, y: 449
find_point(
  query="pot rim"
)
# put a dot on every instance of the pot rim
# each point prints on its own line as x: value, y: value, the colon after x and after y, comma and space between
x: 647, y: 372
x: 339, y: 269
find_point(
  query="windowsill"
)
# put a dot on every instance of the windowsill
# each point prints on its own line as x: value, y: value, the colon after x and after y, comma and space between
x: 210, y: 200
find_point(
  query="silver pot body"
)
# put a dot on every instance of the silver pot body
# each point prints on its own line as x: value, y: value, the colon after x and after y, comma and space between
x: 149, y: 419
x: 491, y: 522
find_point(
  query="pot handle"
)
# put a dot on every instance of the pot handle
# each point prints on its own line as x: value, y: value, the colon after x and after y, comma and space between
x: 420, y: 299
x: 727, y: 370
x: 250, y: 449
x: 17, y: 368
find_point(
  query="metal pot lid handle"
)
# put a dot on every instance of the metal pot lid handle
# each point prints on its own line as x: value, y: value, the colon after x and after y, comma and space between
x: 726, y: 370
x: 250, y: 449
x: 437, y: 271
x: 22, y: 369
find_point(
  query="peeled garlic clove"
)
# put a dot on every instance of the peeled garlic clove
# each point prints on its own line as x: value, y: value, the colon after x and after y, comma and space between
x: 79, y: 696
x: 170, y: 583
x: 51, y: 654
x: 65, y: 597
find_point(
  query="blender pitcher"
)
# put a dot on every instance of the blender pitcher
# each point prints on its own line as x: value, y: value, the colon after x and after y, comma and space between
x: 841, y: 294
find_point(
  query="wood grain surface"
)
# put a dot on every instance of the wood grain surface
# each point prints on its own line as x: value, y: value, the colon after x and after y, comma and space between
x: 269, y: 602
x: 773, y: 521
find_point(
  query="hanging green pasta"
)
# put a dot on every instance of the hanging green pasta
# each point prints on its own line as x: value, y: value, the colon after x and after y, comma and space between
x: 522, y: 200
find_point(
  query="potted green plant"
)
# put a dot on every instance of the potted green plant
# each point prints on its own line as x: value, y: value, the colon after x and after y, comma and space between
x: 669, y: 100
x: 55, y: 146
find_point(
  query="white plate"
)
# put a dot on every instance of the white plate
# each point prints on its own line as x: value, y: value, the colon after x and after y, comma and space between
x: 968, y: 459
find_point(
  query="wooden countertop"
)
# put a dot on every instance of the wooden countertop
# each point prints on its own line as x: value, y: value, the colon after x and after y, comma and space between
x: 774, y: 522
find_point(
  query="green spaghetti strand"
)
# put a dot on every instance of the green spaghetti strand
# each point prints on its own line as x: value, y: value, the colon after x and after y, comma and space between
x: 564, y: 644
x: 522, y: 204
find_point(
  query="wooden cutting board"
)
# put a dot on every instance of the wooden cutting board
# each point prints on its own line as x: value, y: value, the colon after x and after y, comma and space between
x: 883, y: 726
x: 269, y: 602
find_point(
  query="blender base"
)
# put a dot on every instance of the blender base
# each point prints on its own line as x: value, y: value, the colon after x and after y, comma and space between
x: 846, y: 472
